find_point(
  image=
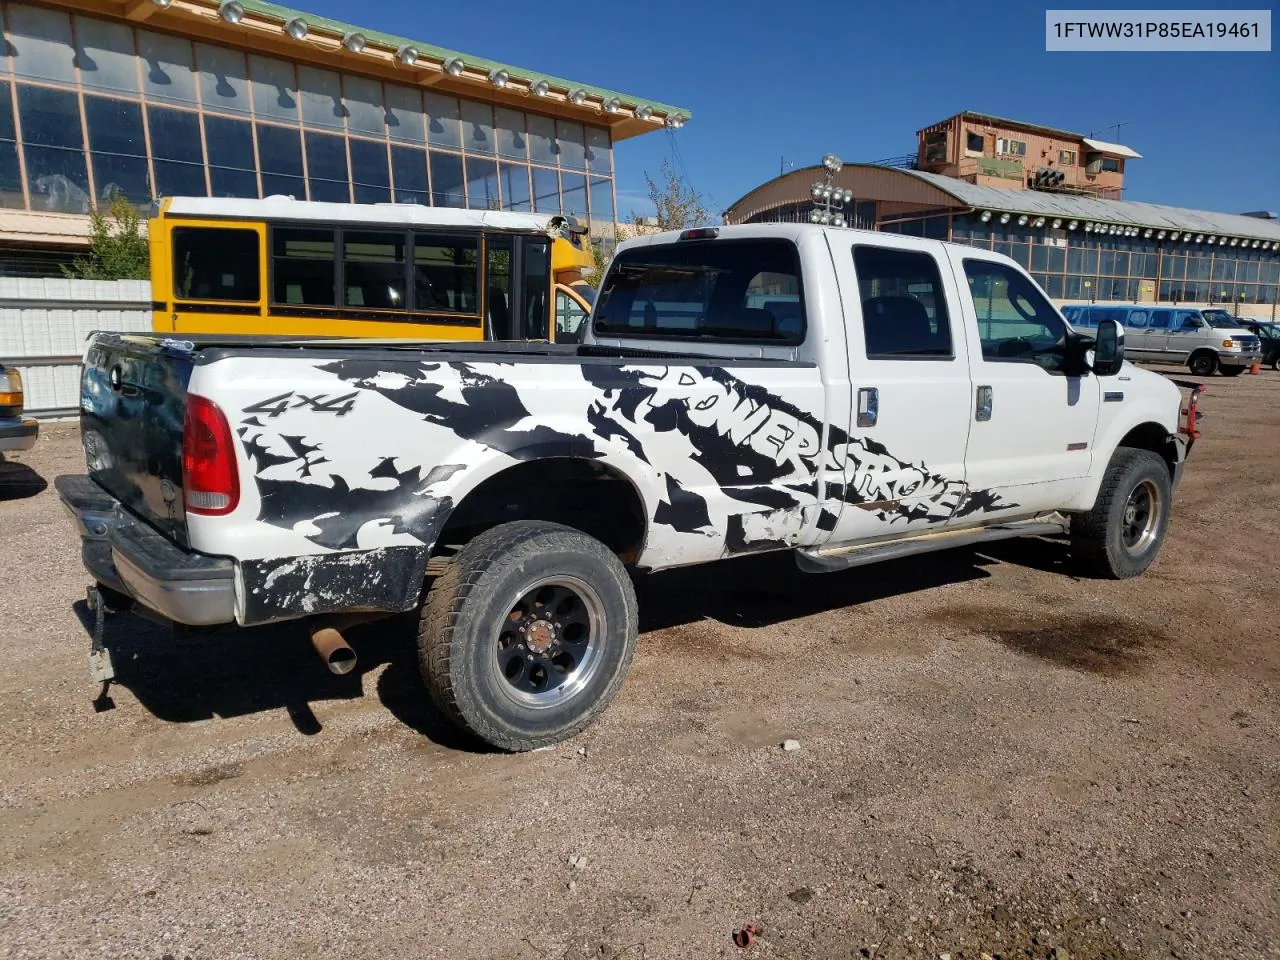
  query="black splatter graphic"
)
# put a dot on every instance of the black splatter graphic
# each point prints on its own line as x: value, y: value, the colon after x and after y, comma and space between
x: 682, y: 509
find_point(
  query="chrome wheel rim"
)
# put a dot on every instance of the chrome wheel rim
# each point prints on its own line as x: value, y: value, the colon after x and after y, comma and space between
x: 548, y: 644
x: 1140, y: 522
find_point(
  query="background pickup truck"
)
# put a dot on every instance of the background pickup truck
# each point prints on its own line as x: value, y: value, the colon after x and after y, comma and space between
x: 847, y: 396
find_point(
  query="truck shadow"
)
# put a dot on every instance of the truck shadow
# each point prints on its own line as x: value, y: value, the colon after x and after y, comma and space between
x: 187, y: 676
x: 18, y: 481
x: 190, y: 676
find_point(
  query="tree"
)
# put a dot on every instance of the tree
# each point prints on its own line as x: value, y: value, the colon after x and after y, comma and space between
x: 601, y: 264
x: 678, y: 205
x: 117, y: 247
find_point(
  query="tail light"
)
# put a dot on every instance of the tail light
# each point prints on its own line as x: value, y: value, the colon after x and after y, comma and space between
x: 210, y: 480
x: 10, y: 393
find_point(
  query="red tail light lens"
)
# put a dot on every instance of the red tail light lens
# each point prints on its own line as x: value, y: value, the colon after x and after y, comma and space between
x: 210, y: 480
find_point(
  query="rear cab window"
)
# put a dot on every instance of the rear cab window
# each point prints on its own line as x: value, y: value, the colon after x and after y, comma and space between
x: 729, y: 290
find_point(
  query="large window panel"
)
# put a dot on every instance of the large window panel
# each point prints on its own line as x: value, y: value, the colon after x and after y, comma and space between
x: 482, y: 183
x: 10, y: 173
x: 404, y: 114
x: 168, y: 73
x: 373, y: 273
x: 117, y: 148
x: 280, y: 158
x: 232, y: 172
x: 446, y: 180
x: 409, y: 167
x: 599, y: 150
x: 477, y: 127
x: 369, y: 171
x: 40, y: 43
x: 546, y: 190
x: 106, y: 56
x: 321, y: 95
x: 542, y: 140
x: 302, y: 267
x: 573, y: 153
x: 327, y: 168
x: 57, y: 177
x: 513, y: 143
x: 446, y: 273
x: 177, y: 157
x: 443, y: 127
x: 275, y: 89
x: 224, y: 82
x: 602, y: 214
x: 365, y: 113
x: 574, y: 186
x: 515, y: 187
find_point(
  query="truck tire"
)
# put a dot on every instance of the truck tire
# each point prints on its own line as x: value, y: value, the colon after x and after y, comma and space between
x: 1203, y: 363
x: 1232, y: 371
x: 1275, y: 363
x: 527, y: 635
x: 1121, y: 535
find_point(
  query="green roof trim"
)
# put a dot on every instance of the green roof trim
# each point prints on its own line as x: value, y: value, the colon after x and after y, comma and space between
x: 283, y: 14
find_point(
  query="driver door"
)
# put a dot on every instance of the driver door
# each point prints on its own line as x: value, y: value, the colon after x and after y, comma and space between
x: 1032, y: 446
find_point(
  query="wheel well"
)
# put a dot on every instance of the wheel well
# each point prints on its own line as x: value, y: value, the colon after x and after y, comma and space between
x: 1198, y: 351
x: 583, y: 494
x: 1153, y: 437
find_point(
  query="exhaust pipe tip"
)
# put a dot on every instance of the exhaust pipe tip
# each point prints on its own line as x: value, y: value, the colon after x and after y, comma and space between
x: 334, y: 650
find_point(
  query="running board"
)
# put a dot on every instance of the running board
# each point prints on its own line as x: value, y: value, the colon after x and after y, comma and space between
x: 832, y: 559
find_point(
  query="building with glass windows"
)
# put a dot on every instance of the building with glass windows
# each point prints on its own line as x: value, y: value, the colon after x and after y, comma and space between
x: 241, y: 98
x: 1049, y: 202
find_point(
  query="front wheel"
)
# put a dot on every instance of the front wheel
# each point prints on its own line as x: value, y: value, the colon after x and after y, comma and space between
x: 1203, y: 364
x: 1275, y: 362
x: 527, y: 635
x: 1120, y: 537
x: 1232, y: 371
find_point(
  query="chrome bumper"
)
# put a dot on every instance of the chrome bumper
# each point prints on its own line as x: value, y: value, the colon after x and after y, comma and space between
x: 18, y: 434
x: 125, y: 554
x: 1242, y: 359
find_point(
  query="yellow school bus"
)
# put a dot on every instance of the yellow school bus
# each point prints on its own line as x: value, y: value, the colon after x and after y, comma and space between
x: 298, y: 268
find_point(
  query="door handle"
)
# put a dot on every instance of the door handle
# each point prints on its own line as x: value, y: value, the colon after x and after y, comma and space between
x: 983, y: 404
x: 868, y: 406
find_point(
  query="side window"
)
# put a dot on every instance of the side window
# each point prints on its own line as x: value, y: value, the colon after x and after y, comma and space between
x: 537, y: 287
x: 569, y: 317
x: 446, y: 273
x: 211, y: 263
x: 302, y: 267
x: 1137, y: 320
x: 1188, y: 320
x: 904, y: 309
x: 1160, y: 319
x: 1015, y: 321
x: 373, y: 270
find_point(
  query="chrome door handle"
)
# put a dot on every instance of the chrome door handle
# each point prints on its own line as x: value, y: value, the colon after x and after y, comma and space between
x: 868, y: 406
x: 982, y: 407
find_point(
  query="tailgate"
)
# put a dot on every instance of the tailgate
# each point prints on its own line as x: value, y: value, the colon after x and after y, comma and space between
x: 133, y: 397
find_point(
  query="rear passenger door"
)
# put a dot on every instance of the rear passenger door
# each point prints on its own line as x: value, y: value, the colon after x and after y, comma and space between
x: 1032, y: 426
x: 904, y: 451
x: 1137, y: 336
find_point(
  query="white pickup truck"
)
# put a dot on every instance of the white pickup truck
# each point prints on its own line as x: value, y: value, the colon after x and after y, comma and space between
x: 847, y: 396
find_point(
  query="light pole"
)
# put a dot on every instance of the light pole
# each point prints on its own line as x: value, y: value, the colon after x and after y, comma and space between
x: 829, y: 200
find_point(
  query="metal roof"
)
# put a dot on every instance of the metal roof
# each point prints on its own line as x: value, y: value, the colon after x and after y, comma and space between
x: 389, y: 214
x: 394, y: 41
x: 1129, y: 212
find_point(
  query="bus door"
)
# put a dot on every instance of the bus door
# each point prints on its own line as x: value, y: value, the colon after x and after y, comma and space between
x: 573, y: 306
x: 517, y: 287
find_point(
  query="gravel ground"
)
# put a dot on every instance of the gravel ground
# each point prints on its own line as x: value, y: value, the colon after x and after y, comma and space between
x: 994, y: 758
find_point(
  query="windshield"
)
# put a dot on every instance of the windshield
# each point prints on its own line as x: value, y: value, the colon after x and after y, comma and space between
x: 705, y: 289
x: 1220, y: 319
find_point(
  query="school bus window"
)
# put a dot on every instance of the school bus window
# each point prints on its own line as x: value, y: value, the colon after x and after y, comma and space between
x: 537, y: 284
x: 214, y: 263
x: 446, y: 273
x: 302, y: 267
x: 373, y: 270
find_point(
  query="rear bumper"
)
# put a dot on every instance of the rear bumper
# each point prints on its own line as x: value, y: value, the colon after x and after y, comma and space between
x: 125, y: 554
x: 18, y: 434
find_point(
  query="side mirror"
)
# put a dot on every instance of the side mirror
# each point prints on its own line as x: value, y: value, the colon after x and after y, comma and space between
x: 1108, y: 349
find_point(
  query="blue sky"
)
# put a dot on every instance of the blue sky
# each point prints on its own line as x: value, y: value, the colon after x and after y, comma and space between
x: 793, y: 80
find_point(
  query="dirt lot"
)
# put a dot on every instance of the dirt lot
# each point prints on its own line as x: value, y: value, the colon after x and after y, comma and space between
x: 995, y: 757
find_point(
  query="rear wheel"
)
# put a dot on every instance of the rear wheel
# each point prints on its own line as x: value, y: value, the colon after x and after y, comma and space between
x: 1121, y: 535
x: 1203, y: 364
x: 1275, y: 362
x: 528, y: 634
x: 1232, y: 371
